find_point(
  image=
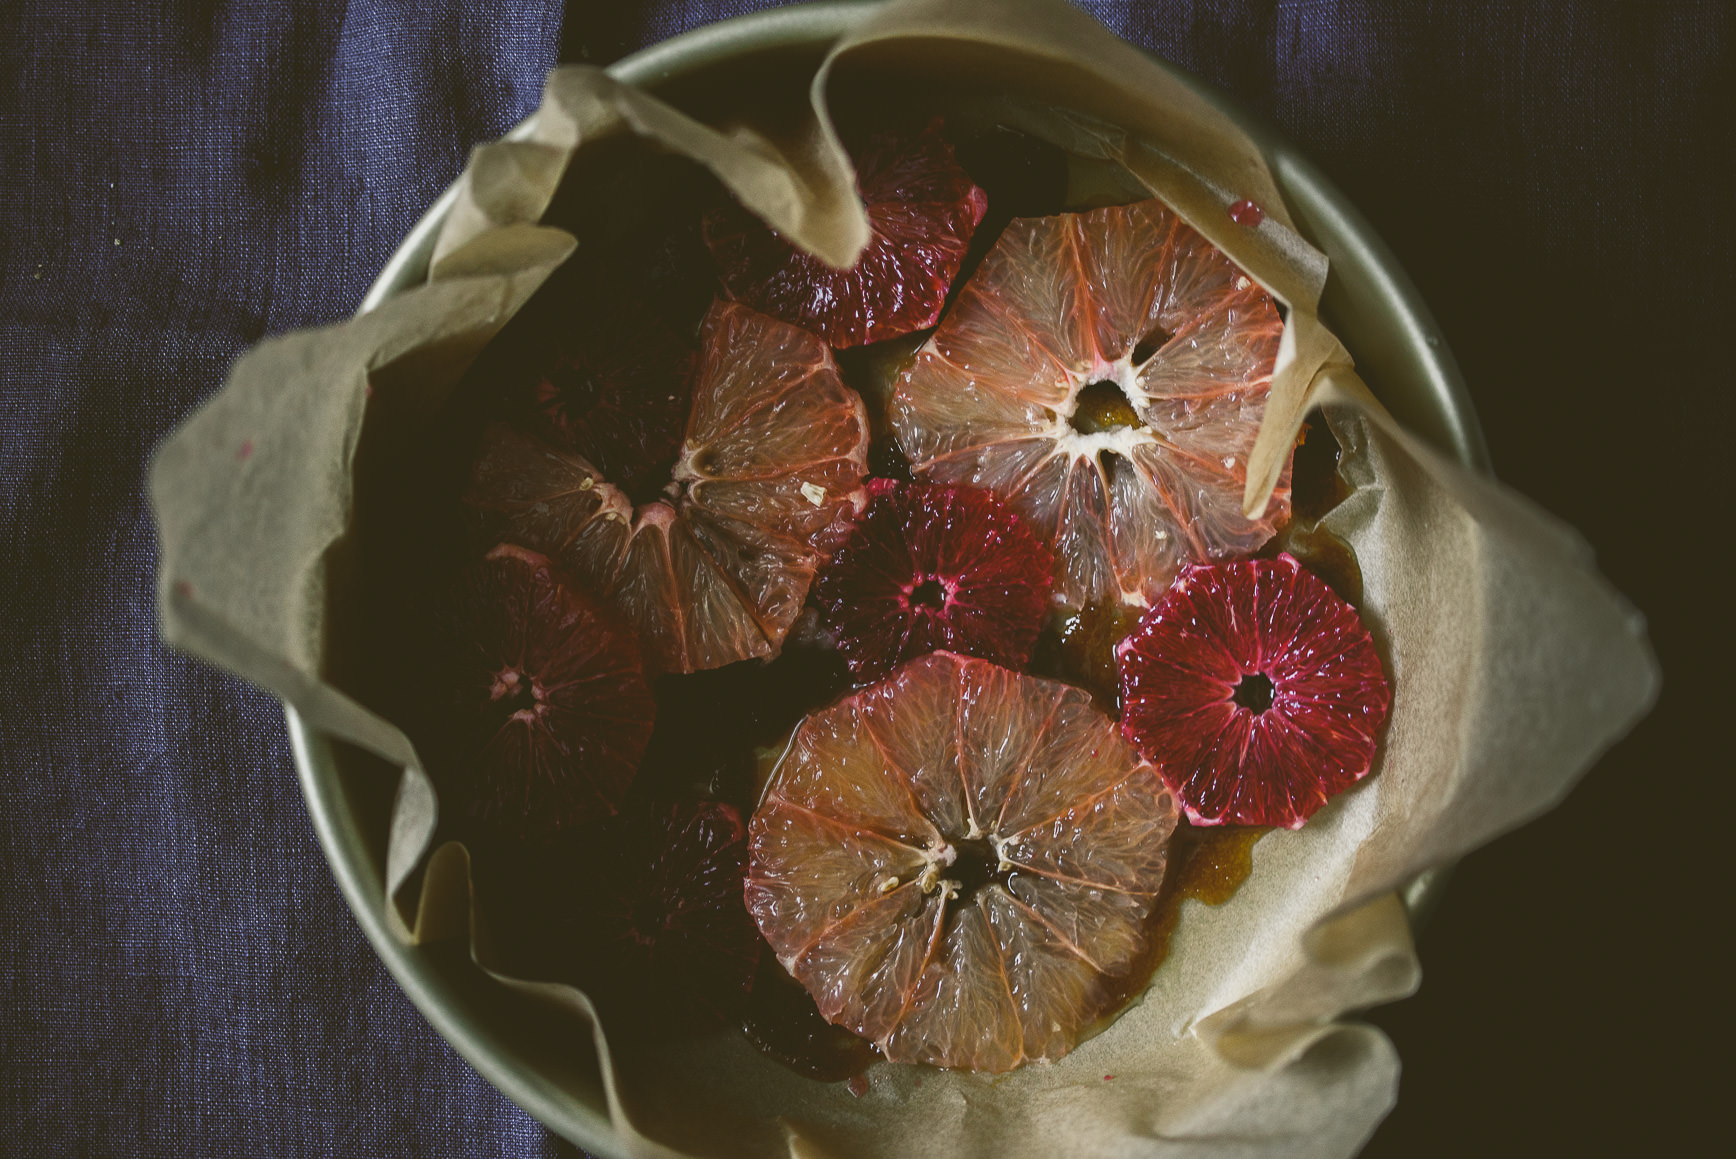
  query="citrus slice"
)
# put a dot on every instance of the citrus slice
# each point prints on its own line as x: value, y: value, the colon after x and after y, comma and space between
x: 599, y: 360
x: 1105, y: 373
x: 644, y: 911
x: 538, y: 713
x: 613, y: 388
x: 932, y: 567
x: 1255, y: 690
x: 668, y: 927
x: 717, y: 569
x: 955, y: 860
x: 922, y: 209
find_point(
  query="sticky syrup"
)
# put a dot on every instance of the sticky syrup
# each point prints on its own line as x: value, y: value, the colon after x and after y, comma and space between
x: 1079, y: 648
x: 1316, y: 488
x: 1207, y: 864
x: 783, y: 1022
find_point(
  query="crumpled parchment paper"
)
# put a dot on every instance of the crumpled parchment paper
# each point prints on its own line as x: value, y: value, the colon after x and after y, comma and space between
x: 1513, y: 663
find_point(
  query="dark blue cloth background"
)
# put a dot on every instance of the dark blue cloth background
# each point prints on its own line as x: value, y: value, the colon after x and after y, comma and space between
x: 178, y: 975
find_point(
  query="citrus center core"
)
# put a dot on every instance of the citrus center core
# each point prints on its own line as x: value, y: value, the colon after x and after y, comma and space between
x: 515, y: 692
x: 1103, y: 406
x: 1254, y: 693
x: 928, y: 594
x: 978, y: 864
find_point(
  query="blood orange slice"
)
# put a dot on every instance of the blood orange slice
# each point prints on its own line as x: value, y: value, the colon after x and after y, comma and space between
x: 599, y: 360
x: 717, y: 569
x: 1255, y: 690
x: 540, y: 713
x: 922, y: 209
x: 612, y: 388
x: 954, y: 861
x: 668, y: 928
x: 931, y: 567
x: 644, y: 911
x: 1105, y: 373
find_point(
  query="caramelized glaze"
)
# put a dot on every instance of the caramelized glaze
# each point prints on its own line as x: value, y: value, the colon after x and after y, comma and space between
x: 1207, y: 865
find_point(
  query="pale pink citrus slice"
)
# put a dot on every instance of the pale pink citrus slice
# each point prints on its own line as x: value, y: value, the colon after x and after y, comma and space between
x: 770, y: 474
x: 955, y: 861
x: 1126, y: 305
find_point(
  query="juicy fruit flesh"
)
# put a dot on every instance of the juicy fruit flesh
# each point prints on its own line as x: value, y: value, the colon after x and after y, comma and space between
x: 552, y: 714
x: 853, y: 851
x: 680, y: 932
x: 922, y: 209
x: 770, y: 470
x: 599, y: 360
x: 1060, y: 306
x: 643, y: 911
x: 1255, y: 690
x: 618, y: 399
x: 931, y: 567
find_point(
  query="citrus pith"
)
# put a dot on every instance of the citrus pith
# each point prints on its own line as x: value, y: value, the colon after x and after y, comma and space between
x: 955, y: 860
x: 1105, y: 373
x: 717, y: 568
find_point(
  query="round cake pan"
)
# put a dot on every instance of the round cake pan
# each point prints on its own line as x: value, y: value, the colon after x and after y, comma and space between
x: 1369, y: 302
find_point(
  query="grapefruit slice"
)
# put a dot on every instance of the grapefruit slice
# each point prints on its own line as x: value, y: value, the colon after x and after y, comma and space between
x: 931, y: 568
x: 538, y: 713
x: 1105, y: 373
x: 769, y: 475
x: 955, y: 860
x: 1255, y: 690
x: 922, y: 209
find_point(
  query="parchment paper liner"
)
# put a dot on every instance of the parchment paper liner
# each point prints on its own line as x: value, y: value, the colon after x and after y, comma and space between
x: 1514, y: 665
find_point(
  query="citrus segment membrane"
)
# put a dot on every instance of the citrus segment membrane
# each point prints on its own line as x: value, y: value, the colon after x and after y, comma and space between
x: 922, y: 209
x: 535, y: 713
x: 612, y: 387
x: 1127, y: 296
x: 599, y: 360
x: 1255, y: 690
x: 644, y: 911
x: 717, y: 569
x: 932, y: 567
x: 954, y: 861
